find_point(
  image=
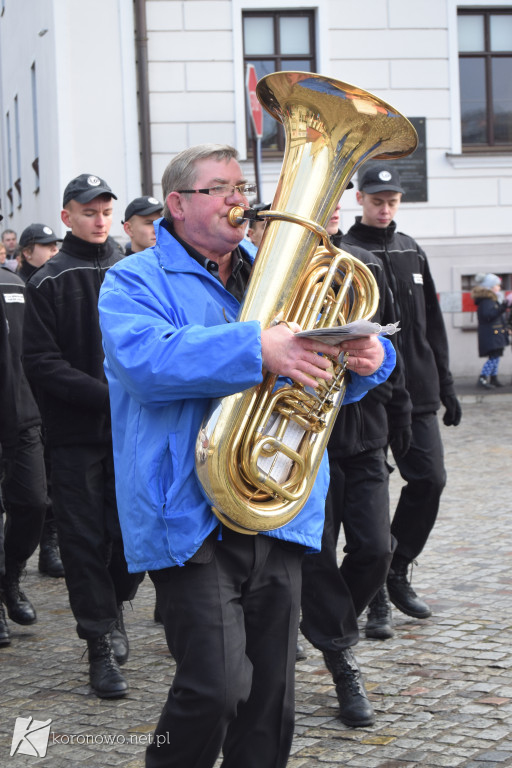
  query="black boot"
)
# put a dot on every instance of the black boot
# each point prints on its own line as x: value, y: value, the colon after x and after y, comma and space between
x: 49, y: 555
x: 379, y: 624
x: 106, y: 679
x: 355, y: 709
x: 19, y: 607
x: 496, y: 382
x: 119, y: 638
x: 401, y: 594
x: 5, y: 637
x: 485, y: 381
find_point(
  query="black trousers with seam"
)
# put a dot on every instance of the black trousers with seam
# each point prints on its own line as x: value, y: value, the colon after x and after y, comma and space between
x: 25, y: 498
x: 333, y: 595
x: 231, y: 625
x: 91, y: 546
x: 423, y: 470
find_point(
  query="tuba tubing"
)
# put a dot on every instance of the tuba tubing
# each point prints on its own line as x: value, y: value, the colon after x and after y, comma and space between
x: 258, y: 451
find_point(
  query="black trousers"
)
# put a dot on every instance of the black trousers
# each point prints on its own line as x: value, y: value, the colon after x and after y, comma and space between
x: 333, y: 596
x: 2, y: 550
x: 91, y: 547
x: 423, y: 470
x: 26, y: 498
x: 231, y: 625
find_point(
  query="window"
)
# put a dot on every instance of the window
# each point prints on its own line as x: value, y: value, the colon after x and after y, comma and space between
x: 485, y: 70
x: 17, y: 182
x: 468, y: 281
x: 35, y: 162
x: 10, y: 194
x: 275, y: 41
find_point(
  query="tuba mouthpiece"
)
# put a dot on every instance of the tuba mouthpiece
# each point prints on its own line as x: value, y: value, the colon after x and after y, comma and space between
x: 236, y: 216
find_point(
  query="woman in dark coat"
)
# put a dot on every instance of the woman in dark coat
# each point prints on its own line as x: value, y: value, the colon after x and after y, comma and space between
x: 492, y: 327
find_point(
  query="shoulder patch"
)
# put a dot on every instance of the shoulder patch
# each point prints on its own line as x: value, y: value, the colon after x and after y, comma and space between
x: 14, y: 298
x: 417, y: 278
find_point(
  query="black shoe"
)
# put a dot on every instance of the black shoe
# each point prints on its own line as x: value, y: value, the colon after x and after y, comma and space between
x: 105, y: 676
x: 355, y: 709
x: 300, y: 654
x: 119, y: 639
x: 379, y: 624
x: 485, y: 381
x: 19, y: 607
x: 49, y: 555
x: 401, y: 594
x: 496, y: 382
x: 5, y: 636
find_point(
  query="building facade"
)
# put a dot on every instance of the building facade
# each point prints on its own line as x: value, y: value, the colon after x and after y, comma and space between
x: 115, y: 88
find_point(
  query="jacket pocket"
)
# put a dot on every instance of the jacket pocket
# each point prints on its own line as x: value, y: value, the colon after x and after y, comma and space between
x: 168, y: 473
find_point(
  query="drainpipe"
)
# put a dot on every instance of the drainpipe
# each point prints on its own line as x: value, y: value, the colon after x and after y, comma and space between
x: 141, y: 51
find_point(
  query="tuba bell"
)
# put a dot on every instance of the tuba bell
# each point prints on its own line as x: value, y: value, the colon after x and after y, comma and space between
x: 258, y: 451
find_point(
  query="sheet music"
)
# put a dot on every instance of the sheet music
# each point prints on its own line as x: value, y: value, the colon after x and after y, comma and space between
x: 350, y: 331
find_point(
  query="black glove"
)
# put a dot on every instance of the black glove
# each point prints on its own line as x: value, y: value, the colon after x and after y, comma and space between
x: 400, y: 440
x: 453, y: 413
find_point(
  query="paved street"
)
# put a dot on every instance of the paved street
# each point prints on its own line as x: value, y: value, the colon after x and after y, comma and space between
x: 441, y: 688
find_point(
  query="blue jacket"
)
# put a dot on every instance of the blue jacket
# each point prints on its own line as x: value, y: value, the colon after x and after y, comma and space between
x: 169, y: 350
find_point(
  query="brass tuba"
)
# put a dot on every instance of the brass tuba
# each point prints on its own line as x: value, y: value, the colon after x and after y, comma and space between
x: 258, y: 451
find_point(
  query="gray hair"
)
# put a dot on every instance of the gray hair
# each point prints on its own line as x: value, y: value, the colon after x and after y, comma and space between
x: 181, y: 173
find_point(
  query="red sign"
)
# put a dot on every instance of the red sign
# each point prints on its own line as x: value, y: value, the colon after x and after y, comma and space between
x: 255, y: 107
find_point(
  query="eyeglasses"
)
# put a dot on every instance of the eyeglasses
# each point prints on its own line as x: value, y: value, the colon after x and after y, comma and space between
x: 223, y: 190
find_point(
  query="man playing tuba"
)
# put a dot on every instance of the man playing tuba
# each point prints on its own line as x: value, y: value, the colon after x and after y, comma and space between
x: 229, y: 602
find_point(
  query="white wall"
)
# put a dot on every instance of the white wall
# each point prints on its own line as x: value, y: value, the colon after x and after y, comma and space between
x: 86, y: 93
x: 25, y: 23
x: 405, y: 52
x: 96, y: 99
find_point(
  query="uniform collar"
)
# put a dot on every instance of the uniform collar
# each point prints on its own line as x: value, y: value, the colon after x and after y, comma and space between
x: 375, y: 233
x: 82, y: 249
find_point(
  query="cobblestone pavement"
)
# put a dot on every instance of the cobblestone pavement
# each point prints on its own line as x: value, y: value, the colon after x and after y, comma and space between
x: 441, y: 688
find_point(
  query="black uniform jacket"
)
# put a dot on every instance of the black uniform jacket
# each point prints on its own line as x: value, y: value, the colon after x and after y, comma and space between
x: 422, y: 341
x: 12, y: 290
x: 365, y: 425
x: 8, y: 415
x: 62, y: 345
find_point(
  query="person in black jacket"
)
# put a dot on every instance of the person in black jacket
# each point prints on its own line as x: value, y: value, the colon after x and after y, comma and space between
x: 63, y: 358
x: 423, y: 344
x: 38, y: 243
x: 492, y: 326
x: 333, y: 597
x: 8, y: 440
x: 138, y: 223
x: 24, y: 477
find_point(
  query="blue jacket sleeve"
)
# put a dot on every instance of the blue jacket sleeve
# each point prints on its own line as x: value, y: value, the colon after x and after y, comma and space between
x: 157, y: 355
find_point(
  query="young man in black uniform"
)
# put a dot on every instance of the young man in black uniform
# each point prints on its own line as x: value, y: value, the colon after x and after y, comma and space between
x: 38, y: 243
x: 24, y: 477
x: 333, y: 597
x: 424, y: 347
x: 63, y: 357
x: 8, y: 440
x: 138, y: 223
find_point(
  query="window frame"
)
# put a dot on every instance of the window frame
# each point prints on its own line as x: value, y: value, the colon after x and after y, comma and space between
x: 279, y: 58
x: 490, y: 146
x: 35, y: 126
